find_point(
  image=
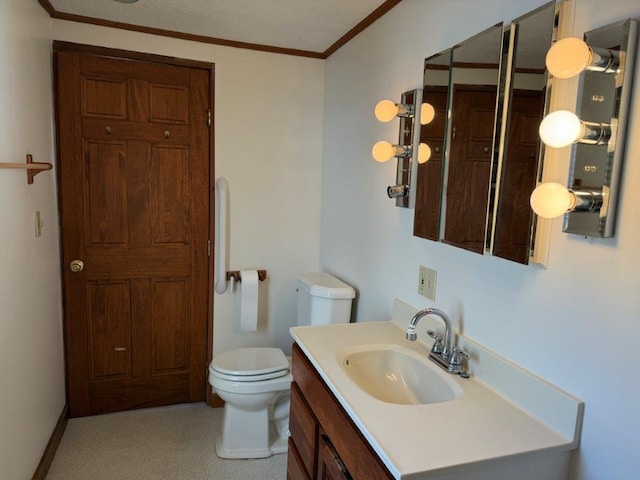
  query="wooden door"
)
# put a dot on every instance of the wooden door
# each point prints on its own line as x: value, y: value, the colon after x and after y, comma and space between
x: 470, y: 163
x: 133, y: 152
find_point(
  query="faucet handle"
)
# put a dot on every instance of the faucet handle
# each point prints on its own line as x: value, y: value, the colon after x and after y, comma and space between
x: 455, y: 362
x: 437, y: 346
x: 460, y: 354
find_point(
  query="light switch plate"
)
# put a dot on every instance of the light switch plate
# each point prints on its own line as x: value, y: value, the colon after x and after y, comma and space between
x: 427, y: 283
x: 37, y: 224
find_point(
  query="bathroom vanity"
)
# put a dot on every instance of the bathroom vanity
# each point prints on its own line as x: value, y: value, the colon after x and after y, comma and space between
x: 502, y: 423
x: 324, y: 442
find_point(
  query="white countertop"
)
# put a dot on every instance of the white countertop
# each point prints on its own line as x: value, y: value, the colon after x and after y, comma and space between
x: 478, y: 426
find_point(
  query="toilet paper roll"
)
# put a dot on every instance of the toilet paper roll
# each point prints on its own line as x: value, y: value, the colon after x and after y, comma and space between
x: 249, y: 300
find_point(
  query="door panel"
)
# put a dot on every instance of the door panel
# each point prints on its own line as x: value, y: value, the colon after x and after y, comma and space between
x: 106, y: 193
x: 170, y: 300
x: 170, y: 195
x: 102, y: 98
x: 169, y: 104
x: 134, y: 198
x: 110, y: 329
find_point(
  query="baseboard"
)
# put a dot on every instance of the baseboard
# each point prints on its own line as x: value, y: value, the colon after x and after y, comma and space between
x: 216, y: 401
x: 52, y: 446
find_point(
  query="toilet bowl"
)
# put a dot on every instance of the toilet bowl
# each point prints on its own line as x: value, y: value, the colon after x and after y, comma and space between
x: 255, y: 383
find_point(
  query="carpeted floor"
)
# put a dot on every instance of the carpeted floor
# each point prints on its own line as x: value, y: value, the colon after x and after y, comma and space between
x: 168, y: 443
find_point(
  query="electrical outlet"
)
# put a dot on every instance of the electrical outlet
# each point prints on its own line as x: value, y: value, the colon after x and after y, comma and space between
x: 427, y: 283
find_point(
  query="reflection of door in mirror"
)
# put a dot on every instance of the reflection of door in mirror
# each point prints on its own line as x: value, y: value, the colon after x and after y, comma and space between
x: 525, y: 104
x: 474, y: 89
x: 515, y: 217
x: 429, y: 181
x: 433, y: 133
x: 472, y: 135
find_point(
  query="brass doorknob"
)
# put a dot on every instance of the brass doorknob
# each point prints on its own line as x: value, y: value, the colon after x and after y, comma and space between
x: 76, y: 266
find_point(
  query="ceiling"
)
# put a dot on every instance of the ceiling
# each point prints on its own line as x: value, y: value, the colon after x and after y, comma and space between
x: 312, y: 28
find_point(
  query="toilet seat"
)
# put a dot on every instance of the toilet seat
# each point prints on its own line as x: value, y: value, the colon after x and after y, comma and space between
x: 280, y: 384
x: 250, y: 364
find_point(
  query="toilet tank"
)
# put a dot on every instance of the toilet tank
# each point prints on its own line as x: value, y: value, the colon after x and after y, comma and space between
x: 323, y: 299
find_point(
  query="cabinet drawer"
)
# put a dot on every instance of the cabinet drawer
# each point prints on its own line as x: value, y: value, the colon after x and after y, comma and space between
x: 304, y: 430
x: 356, y: 454
x: 295, y: 468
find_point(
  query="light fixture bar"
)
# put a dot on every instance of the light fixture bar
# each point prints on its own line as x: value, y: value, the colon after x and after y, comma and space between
x: 596, y: 161
x: 405, y: 138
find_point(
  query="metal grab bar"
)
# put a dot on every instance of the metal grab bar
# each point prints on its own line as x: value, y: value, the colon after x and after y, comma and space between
x: 220, y: 242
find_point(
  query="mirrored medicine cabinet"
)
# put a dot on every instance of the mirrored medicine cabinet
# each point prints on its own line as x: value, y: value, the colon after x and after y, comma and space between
x: 489, y: 95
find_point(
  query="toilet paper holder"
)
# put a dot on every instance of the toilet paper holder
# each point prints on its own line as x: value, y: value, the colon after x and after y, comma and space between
x: 235, y: 274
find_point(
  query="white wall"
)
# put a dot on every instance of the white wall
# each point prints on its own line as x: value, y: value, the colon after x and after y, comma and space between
x: 575, y: 324
x: 268, y: 144
x: 31, y: 354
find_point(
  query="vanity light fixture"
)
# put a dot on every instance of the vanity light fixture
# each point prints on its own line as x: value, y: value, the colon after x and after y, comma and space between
x: 427, y: 113
x: 424, y: 153
x: 605, y: 62
x: 571, y: 56
x: 562, y: 128
x: 551, y: 200
x: 383, y: 151
x: 386, y: 110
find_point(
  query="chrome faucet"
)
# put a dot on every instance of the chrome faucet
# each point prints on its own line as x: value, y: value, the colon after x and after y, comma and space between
x: 443, y: 353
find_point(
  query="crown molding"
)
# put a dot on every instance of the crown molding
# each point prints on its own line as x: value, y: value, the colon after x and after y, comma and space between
x: 361, y: 26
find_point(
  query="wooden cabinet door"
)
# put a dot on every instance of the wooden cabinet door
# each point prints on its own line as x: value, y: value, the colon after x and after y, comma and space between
x: 133, y: 153
x: 304, y: 430
x: 295, y: 465
x: 330, y: 466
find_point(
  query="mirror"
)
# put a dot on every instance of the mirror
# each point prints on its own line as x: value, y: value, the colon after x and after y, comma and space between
x: 468, y: 191
x: 435, y: 92
x: 485, y: 151
x: 525, y: 96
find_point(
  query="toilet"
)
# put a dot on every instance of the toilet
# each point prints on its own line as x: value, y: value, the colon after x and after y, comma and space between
x: 255, y: 382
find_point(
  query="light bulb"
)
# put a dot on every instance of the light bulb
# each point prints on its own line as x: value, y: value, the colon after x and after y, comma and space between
x: 568, y: 57
x: 383, y: 151
x: 424, y: 153
x: 427, y: 113
x: 561, y: 128
x: 386, y: 110
x: 550, y: 200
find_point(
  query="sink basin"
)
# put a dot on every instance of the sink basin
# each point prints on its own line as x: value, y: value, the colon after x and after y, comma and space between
x: 394, y: 374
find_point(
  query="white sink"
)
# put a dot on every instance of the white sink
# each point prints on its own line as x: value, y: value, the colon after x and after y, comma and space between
x: 394, y: 374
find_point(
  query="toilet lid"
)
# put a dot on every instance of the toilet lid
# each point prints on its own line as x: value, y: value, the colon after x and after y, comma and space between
x: 243, y: 362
